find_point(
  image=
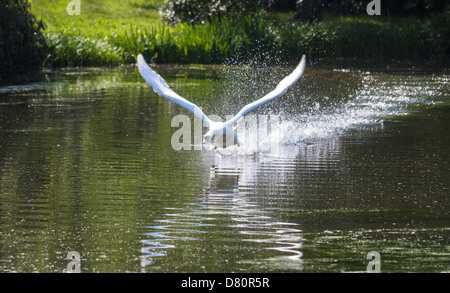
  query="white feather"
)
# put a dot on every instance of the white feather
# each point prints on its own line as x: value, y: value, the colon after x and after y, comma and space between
x: 161, y: 87
x: 280, y: 90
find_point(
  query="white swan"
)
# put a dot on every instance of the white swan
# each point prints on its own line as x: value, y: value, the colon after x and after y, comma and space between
x: 218, y: 132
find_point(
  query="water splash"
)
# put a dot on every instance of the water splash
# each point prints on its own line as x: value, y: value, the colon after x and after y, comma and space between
x: 374, y: 99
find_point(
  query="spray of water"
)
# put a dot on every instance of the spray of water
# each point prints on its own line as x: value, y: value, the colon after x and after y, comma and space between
x: 371, y: 101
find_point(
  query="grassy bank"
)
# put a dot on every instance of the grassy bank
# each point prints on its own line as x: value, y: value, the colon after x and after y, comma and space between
x: 114, y: 32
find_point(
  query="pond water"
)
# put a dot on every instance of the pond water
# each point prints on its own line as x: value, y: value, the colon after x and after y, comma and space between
x: 352, y: 162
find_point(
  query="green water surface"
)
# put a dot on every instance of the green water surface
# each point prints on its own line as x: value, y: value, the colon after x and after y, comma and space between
x: 86, y: 165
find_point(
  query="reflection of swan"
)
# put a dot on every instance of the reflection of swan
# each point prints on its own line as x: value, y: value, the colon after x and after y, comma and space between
x: 229, y: 213
x: 229, y: 177
x: 218, y: 132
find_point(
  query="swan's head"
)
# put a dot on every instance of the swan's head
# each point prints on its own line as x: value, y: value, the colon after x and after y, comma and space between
x: 209, y: 137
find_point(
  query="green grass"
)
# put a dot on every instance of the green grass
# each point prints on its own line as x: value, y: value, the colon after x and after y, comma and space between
x: 98, y: 18
x: 114, y: 32
x: 89, y: 38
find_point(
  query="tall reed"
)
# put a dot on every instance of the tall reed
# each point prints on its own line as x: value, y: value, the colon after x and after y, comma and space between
x: 256, y: 37
x: 75, y: 49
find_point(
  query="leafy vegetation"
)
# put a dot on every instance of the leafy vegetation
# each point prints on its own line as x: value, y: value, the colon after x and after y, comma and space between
x: 22, y: 43
x: 211, y: 43
x: 74, y: 49
x: 189, y: 11
x: 101, y: 36
x: 387, y: 39
x: 192, y: 11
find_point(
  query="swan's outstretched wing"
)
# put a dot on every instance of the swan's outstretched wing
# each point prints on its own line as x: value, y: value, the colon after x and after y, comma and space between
x: 161, y: 87
x: 281, y: 88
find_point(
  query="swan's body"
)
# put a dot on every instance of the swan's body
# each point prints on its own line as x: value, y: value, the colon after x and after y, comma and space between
x: 219, y: 134
x: 222, y: 135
